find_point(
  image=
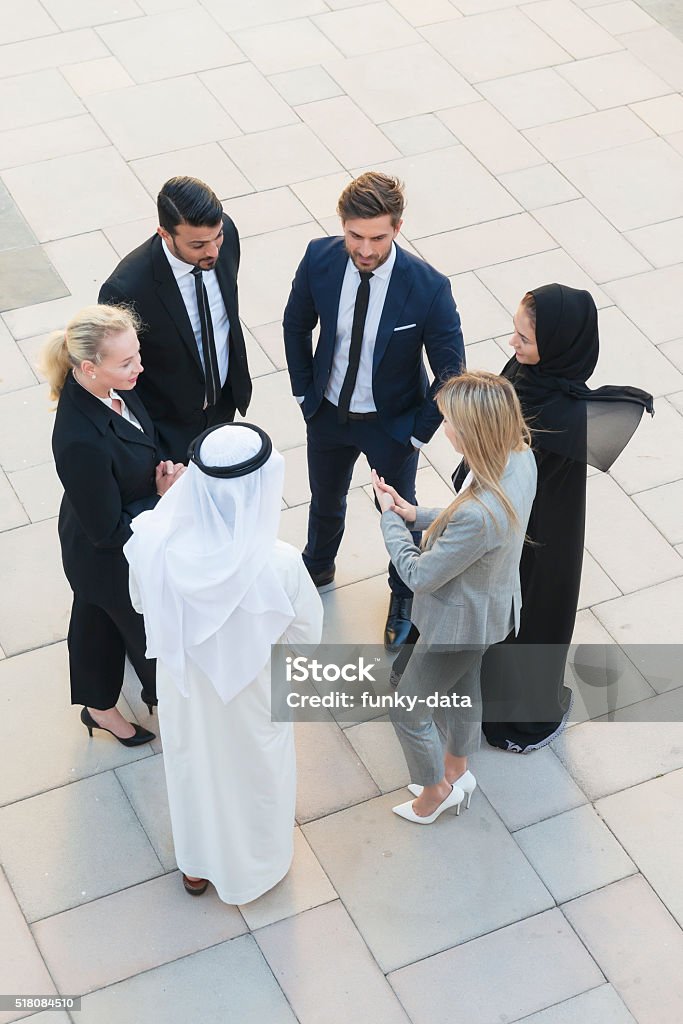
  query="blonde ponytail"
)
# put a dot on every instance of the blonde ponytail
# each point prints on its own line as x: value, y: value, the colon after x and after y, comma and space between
x: 484, y: 411
x: 84, y: 338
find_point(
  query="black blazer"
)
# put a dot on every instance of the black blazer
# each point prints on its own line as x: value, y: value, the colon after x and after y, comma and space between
x: 419, y: 315
x: 172, y: 385
x: 106, y: 466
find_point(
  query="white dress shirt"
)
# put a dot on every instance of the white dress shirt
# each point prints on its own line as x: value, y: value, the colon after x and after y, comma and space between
x: 221, y: 325
x: 362, y: 399
x: 125, y: 411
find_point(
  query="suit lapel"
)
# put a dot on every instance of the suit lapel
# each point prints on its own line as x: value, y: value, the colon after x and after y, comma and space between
x: 330, y: 293
x: 127, y: 432
x: 399, y: 288
x: 169, y: 295
x: 134, y: 403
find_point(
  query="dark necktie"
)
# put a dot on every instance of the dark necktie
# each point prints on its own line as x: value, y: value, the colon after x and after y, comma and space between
x: 360, y: 311
x: 211, y: 372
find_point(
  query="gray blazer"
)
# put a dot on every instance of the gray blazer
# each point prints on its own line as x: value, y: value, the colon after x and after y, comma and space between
x: 466, y: 585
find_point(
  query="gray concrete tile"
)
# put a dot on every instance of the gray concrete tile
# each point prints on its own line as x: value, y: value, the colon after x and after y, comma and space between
x: 297, y: 951
x: 490, y: 137
x: 271, y: 395
x: 271, y: 210
x: 483, y: 245
x: 659, y: 243
x: 70, y: 14
x: 592, y: 133
x: 605, y: 757
x: 389, y: 878
x: 662, y: 507
x: 330, y: 775
x: 535, y: 187
x: 144, y: 783
x: 659, y: 49
x: 304, y: 886
x: 128, y: 236
x: 262, y: 300
x: 600, y: 1005
x: 591, y: 856
x: 419, y: 134
x: 625, y: 355
x: 413, y: 80
x: 73, y: 845
x: 509, y: 281
x: 93, y: 76
x: 227, y: 984
x: 572, y: 29
x: 39, y: 489
x: 269, y: 337
x: 535, y: 98
x: 454, y: 987
x: 646, y: 821
x: 596, y: 585
x: 626, y: 16
x: 377, y: 746
x: 83, y: 261
x: 653, y: 456
x: 285, y: 46
x: 381, y: 28
x: 25, y: 22
x: 346, y: 131
x: 90, y: 947
x: 108, y: 193
x: 524, y: 789
x: 12, y: 512
x: 249, y: 98
x: 14, y: 231
x: 646, y: 975
x: 427, y: 13
x: 233, y: 15
x: 27, y: 277
x: 304, y: 85
x: 51, y: 52
x: 57, y: 749
x: 321, y: 195
x: 148, y: 50
x: 209, y: 163
x: 29, y: 322
x: 641, y: 299
x: 149, y: 119
x: 281, y: 156
x: 22, y: 970
x: 32, y: 613
x: 664, y: 114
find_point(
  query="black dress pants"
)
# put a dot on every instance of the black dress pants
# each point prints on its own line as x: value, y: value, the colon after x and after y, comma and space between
x: 333, y: 449
x: 98, y: 640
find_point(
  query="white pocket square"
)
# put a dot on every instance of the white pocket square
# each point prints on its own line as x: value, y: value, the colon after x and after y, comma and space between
x: 406, y: 327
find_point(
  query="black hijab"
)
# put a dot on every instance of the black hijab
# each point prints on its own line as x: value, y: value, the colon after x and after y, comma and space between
x: 566, y: 416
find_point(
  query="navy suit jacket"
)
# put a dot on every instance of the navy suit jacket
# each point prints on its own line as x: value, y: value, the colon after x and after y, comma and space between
x: 418, y: 299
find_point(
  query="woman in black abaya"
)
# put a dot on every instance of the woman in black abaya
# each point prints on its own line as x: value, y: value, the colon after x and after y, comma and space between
x: 526, y: 703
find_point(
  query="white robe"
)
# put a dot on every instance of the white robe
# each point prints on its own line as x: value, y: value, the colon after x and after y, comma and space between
x: 230, y: 771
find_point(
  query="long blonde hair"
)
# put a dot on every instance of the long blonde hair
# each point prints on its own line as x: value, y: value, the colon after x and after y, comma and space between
x: 484, y: 412
x: 84, y: 338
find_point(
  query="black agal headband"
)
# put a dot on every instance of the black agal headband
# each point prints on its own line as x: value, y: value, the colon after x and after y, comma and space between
x: 239, y: 468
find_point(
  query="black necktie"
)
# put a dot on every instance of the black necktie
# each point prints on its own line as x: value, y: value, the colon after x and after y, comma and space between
x: 211, y: 372
x: 359, y: 313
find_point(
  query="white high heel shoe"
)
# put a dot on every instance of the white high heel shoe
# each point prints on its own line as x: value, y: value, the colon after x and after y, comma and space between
x: 454, y: 799
x: 466, y: 782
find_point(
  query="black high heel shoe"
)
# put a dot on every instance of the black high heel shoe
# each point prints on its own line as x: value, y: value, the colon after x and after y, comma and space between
x: 141, y: 735
x: 151, y: 702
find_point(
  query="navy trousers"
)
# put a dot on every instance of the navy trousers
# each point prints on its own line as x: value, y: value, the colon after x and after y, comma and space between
x: 333, y: 449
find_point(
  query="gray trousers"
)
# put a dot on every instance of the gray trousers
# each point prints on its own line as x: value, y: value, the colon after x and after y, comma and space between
x: 424, y: 731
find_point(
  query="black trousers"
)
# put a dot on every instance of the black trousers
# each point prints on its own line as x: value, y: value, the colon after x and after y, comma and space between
x: 333, y: 449
x: 98, y: 640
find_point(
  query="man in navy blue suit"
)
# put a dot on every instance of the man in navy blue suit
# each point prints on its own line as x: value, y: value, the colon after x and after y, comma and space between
x: 365, y: 389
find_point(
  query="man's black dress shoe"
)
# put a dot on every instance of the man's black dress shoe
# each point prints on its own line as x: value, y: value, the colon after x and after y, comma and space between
x: 322, y: 578
x: 398, y: 623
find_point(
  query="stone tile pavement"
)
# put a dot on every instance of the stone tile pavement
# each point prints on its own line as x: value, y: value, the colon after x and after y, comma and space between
x: 538, y: 141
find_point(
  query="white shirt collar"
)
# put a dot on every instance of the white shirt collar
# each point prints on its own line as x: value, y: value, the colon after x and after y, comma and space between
x: 179, y: 267
x: 384, y: 271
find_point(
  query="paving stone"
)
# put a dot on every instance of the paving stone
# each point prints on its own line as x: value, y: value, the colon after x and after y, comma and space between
x: 483, y: 245
x: 148, y: 50
x: 659, y: 50
x: 57, y: 750
x: 233, y: 14
x: 51, y: 51
x: 17, y: 372
x: 591, y: 240
x: 144, y: 783
x: 662, y: 507
x: 108, y: 193
x: 269, y: 337
x: 305, y: 85
x: 93, y: 76
x: 646, y: 821
x: 83, y: 838
x: 627, y: 356
x: 229, y: 984
x: 452, y: 987
x: 659, y: 243
x: 70, y: 14
x: 591, y: 856
x: 281, y: 156
x: 32, y: 615
x: 600, y: 1005
x: 418, y: 134
x: 381, y: 28
x: 664, y: 115
x: 27, y: 277
x: 34, y: 98
x: 297, y: 953
x: 320, y: 195
x: 481, y: 314
x: 25, y: 22
x: 596, y: 585
x: 396, y: 858
x: 83, y: 261
x: 494, y: 44
x: 535, y: 98
x: 14, y: 231
x: 90, y: 946
x: 262, y: 300
x: 29, y: 322
x: 266, y: 211
x: 248, y: 97
x: 429, y: 11
x: 12, y: 513
x: 285, y: 46
x: 378, y: 747
x: 330, y: 776
x: 412, y: 80
x: 150, y: 119
x: 346, y: 131
x: 304, y: 886
x: 646, y: 975
x: 614, y: 79
x: 509, y: 281
x: 21, y: 146
x: 626, y: 16
x: 22, y: 970
x: 653, y: 455
x: 209, y: 163
x: 653, y: 301
x: 126, y: 237
x: 573, y: 30
x: 591, y: 133
x: 540, y: 186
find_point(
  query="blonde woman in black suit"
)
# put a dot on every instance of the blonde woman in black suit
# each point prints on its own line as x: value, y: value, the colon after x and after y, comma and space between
x: 107, y: 459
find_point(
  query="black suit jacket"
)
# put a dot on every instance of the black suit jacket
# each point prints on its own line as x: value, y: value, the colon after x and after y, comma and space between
x: 419, y: 316
x: 172, y: 385
x: 106, y: 466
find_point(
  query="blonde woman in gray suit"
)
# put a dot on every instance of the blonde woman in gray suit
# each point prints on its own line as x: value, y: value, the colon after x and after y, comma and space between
x: 465, y: 577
